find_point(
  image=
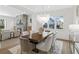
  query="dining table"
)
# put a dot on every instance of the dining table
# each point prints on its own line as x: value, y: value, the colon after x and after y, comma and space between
x: 35, y: 39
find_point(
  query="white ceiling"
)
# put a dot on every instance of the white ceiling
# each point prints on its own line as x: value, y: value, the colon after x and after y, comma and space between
x: 13, y: 10
x: 9, y: 11
x: 44, y: 8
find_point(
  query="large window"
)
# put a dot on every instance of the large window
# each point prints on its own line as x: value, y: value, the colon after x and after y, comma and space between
x: 54, y: 22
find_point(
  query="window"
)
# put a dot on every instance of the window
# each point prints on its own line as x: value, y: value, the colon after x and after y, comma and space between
x: 54, y: 22
x: 51, y: 23
x: 1, y: 23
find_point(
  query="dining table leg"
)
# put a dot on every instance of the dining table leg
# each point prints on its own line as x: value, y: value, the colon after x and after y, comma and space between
x: 35, y: 49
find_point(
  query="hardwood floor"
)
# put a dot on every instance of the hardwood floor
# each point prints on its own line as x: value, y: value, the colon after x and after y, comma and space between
x: 6, y: 44
x: 63, y: 45
x: 66, y: 48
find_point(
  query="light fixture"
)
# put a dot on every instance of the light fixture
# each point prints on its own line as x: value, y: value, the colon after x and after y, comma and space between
x: 74, y: 28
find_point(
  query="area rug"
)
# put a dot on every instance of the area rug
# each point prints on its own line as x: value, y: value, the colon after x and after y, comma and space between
x: 15, y: 50
x: 58, y: 48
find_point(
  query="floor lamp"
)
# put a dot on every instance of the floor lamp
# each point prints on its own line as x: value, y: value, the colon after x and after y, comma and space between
x: 74, y: 28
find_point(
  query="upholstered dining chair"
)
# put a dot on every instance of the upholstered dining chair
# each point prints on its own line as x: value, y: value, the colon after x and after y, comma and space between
x: 26, y: 46
x: 46, y: 45
x: 25, y: 34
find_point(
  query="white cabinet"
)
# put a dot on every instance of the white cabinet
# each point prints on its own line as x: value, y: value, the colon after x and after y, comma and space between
x: 21, y: 22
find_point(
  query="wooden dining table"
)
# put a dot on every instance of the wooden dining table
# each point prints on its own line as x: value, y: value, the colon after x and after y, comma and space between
x: 35, y: 39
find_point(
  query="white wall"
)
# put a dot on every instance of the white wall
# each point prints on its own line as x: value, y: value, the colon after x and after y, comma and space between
x: 9, y: 22
x: 68, y: 15
x: 35, y: 25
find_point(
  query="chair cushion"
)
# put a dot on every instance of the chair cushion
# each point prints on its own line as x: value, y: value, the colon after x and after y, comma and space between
x: 45, y: 45
x: 25, y: 34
